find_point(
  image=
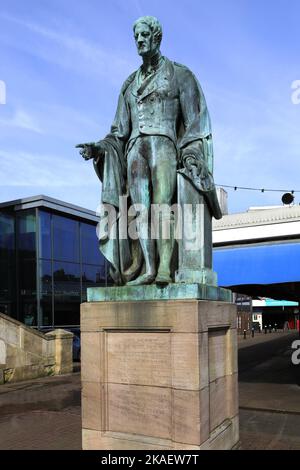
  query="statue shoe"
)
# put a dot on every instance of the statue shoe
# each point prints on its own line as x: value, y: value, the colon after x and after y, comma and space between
x: 146, y: 278
x: 163, y: 278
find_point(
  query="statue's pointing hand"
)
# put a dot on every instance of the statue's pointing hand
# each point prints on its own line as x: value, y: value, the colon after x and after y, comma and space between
x: 91, y: 150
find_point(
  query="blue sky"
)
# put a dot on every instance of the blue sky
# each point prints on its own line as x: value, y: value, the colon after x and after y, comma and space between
x: 64, y: 61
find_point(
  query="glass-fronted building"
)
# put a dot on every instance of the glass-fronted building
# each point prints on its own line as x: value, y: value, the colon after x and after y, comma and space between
x: 48, y: 257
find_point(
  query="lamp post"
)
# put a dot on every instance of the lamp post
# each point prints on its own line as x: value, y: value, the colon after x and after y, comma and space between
x: 297, y: 319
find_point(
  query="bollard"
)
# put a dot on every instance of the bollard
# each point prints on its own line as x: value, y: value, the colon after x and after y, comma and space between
x: 252, y: 332
x: 270, y: 328
x: 275, y: 327
x: 266, y: 329
x: 245, y: 334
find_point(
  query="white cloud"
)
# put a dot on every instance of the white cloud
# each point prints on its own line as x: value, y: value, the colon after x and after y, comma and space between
x: 22, y: 120
x: 44, y: 171
x: 67, y: 122
x: 72, y: 51
x: 54, y: 120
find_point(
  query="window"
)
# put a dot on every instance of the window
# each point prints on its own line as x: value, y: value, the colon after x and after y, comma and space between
x: 46, y: 290
x: 27, y: 276
x: 45, y: 278
x: 7, y: 236
x: 28, y: 313
x: 90, y: 245
x: 45, y: 234
x: 65, y: 239
x: 67, y: 289
x: 66, y: 279
x: 26, y: 231
x: 7, y: 280
x: 66, y: 313
x: 7, y: 259
x: 27, y: 291
x: 92, y: 276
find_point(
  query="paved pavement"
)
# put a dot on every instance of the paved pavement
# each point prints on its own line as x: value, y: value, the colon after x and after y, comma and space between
x: 267, y: 378
x: 269, y: 389
x: 45, y: 413
x: 41, y: 414
x: 260, y: 430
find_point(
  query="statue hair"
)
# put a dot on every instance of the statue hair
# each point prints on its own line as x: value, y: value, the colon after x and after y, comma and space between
x: 153, y: 24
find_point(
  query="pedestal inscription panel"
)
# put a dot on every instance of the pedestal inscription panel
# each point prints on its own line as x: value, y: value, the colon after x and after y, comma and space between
x: 139, y: 357
x: 138, y: 378
x: 131, y: 406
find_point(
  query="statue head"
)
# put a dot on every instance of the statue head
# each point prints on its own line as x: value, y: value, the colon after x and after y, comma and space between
x: 148, y: 35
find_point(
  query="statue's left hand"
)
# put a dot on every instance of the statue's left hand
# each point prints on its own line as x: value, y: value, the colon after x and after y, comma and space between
x: 197, y: 168
x: 190, y: 164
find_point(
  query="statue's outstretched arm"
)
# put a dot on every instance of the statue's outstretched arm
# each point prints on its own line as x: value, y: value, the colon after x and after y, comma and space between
x: 91, y: 150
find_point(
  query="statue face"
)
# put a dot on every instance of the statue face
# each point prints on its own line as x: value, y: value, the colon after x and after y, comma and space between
x: 144, y: 39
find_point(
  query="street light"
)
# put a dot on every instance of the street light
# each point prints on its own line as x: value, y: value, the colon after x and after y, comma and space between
x: 288, y: 199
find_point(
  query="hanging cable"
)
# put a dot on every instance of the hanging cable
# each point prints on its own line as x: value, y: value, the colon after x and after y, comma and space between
x: 261, y: 190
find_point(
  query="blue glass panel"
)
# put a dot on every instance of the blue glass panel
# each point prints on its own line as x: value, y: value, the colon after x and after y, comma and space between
x: 7, y: 235
x: 67, y: 280
x: 90, y: 245
x: 46, y: 290
x: 45, y: 278
x: 65, y: 239
x: 46, y: 311
x: 92, y: 276
x: 7, y: 280
x: 27, y: 275
x: 7, y: 261
x: 66, y: 313
x: 28, y: 297
x: 66, y: 293
x: 45, y: 234
x: 26, y: 234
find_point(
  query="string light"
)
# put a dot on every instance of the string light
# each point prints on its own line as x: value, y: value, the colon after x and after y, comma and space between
x: 262, y: 190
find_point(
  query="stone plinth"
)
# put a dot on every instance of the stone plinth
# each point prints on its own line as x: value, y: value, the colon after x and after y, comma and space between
x: 159, y: 375
x: 27, y: 354
x: 174, y: 291
x: 63, y: 351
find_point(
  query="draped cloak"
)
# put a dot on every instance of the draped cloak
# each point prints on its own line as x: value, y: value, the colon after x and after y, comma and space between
x: 193, y: 137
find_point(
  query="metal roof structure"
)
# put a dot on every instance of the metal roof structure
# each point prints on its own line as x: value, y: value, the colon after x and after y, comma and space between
x: 259, y: 225
x: 50, y: 203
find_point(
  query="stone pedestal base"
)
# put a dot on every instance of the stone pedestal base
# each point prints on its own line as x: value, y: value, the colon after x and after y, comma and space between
x: 159, y: 375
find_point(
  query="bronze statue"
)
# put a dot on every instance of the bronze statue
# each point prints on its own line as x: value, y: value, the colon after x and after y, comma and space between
x: 161, y: 132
